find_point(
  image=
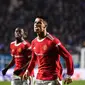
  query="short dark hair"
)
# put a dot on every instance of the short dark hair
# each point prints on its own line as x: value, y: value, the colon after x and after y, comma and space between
x: 45, y: 18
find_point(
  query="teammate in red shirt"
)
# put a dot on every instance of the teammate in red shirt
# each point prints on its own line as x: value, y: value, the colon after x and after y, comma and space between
x: 20, y: 52
x: 46, y: 50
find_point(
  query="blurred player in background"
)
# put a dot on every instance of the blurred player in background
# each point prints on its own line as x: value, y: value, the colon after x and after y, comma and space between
x: 20, y: 52
x: 46, y: 50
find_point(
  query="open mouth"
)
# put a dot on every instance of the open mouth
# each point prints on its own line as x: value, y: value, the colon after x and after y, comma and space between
x: 37, y: 29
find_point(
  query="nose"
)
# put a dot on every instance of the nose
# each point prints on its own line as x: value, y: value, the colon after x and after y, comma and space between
x: 37, y: 29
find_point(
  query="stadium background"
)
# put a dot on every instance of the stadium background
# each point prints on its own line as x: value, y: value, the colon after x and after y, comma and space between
x: 66, y: 20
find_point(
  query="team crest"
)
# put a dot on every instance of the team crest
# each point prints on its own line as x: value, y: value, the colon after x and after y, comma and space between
x: 12, y: 50
x: 19, y: 50
x: 45, y: 47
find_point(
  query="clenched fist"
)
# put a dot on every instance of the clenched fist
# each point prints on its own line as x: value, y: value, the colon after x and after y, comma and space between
x: 4, y: 71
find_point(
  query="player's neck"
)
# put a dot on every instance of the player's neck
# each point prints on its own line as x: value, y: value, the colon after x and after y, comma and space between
x: 42, y: 35
x: 18, y: 41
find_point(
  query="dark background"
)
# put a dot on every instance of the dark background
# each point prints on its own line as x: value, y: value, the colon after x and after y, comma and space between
x: 66, y: 20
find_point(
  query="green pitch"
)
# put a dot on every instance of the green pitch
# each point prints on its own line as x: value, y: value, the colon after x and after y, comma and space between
x: 77, y: 83
x: 74, y: 83
x: 5, y: 83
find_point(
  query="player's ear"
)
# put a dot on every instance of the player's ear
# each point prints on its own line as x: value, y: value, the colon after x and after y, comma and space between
x: 46, y: 25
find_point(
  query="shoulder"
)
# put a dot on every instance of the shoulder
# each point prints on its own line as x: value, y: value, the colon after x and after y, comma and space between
x: 25, y: 42
x: 53, y: 38
x: 34, y: 40
x: 12, y: 43
x: 49, y: 36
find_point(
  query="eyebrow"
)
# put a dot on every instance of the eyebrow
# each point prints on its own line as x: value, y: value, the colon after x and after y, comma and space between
x: 39, y: 22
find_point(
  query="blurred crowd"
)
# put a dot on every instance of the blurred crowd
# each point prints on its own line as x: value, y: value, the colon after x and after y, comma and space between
x: 66, y: 19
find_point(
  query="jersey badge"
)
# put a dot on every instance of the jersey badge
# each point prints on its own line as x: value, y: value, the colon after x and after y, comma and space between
x: 12, y: 50
x: 45, y: 47
x: 19, y: 50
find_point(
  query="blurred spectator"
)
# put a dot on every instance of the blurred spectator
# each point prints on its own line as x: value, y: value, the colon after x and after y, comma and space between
x: 66, y: 20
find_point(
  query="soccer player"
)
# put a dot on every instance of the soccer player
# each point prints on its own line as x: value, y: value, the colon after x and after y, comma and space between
x: 46, y: 51
x: 20, y: 52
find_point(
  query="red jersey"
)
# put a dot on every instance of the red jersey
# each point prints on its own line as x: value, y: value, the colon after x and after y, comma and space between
x: 20, y: 52
x: 47, y: 54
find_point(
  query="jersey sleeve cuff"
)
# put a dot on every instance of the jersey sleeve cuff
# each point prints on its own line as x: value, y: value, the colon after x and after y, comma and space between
x: 67, y: 76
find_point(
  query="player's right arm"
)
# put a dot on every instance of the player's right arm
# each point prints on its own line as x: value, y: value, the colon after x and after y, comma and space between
x: 32, y: 63
x: 31, y: 66
x: 8, y: 66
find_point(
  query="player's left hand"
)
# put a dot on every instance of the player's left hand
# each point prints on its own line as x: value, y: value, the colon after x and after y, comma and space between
x: 68, y: 81
x: 4, y: 71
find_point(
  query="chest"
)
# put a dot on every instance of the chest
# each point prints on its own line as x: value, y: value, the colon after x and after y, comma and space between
x: 42, y: 47
x: 18, y: 49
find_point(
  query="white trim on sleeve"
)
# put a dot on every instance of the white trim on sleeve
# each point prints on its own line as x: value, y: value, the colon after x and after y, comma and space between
x: 58, y: 44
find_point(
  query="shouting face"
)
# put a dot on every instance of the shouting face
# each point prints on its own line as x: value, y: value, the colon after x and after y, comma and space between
x: 39, y: 25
